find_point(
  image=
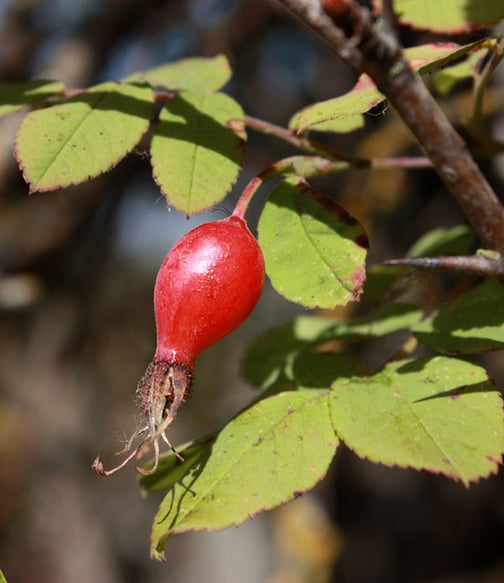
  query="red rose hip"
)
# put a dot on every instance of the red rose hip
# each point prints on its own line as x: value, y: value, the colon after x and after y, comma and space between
x: 206, y: 287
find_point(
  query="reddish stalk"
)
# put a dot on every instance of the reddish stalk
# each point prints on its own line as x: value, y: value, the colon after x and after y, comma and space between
x: 312, y: 166
x: 319, y: 149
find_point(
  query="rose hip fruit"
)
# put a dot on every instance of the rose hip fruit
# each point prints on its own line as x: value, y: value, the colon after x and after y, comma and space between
x: 206, y: 287
x: 208, y: 284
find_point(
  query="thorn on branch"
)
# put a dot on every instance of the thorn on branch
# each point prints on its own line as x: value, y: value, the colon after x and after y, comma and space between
x: 484, y: 263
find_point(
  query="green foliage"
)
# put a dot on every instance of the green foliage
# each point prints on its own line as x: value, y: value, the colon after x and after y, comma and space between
x: 446, y: 79
x: 16, y: 96
x: 434, y: 412
x: 198, y: 74
x: 472, y: 323
x: 195, y: 135
x: 83, y: 136
x: 77, y: 137
x: 300, y: 228
x: 451, y: 16
x: 344, y: 113
x: 458, y: 240
x: 286, y: 440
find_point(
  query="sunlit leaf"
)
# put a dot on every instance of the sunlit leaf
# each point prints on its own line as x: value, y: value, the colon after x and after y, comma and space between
x: 270, y: 454
x: 474, y: 322
x: 330, y: 115
x: 436, y: 413
x: 84, y: 136
x: 197, y: 149
x: 450, y: 16
x: 197, y: 74
x: 15, y: 96
x: 314, y: 250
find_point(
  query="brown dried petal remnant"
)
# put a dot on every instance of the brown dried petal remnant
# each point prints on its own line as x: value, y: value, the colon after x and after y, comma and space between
x: 162, y: 390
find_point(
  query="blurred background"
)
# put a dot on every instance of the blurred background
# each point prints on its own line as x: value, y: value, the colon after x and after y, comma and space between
x: 77, y: 269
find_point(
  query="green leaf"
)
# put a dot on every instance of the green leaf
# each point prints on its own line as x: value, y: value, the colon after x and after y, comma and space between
x: 270, y: 359
x: 270, y: 454
x: 330, y: 115
x: 474, y: 322
x: 15, y: 96
x: 430, y: 57
x: 170, y: 470
x: 197, y: 74
x: 344, y: 121
x: 438, y: 414
x: 84, y: 136
x: 458, y: 240
x: 446, y: 79
x: 450, y: 16
x: 390, y: 318
x: 314, y: 251
x: 266, y: 359
x: 272, y: 355
x: 2, y: 577
x: 197, y: 149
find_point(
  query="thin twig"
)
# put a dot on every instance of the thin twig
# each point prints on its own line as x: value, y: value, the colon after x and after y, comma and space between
x: 483, y: 77
x: 351, y: 33
x: 324, y: 151
x: 315, y: 166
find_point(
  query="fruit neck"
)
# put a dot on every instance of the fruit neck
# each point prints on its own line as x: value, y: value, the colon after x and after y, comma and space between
x: 174, y: 356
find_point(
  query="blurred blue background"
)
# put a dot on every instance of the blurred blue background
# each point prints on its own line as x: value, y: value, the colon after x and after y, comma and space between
x: 77, y: 268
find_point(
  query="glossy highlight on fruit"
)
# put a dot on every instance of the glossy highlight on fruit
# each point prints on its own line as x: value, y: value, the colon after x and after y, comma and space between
x: 208, y: 284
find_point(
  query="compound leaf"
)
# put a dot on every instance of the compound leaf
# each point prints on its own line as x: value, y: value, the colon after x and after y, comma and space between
x: 344, y: 113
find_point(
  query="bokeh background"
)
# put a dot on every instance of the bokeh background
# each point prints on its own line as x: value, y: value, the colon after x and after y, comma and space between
x: 77, y: 269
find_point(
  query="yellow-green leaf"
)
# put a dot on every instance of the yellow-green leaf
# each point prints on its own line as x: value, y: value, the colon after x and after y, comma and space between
x: 197, y: 149
x: 197, y: 74
x: 314, y: 250
x: 83, y: 136
x: 15, y: 96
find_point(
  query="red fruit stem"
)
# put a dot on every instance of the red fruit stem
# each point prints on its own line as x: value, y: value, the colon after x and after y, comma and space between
x: 313, y: 166
x: 250, y: 190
